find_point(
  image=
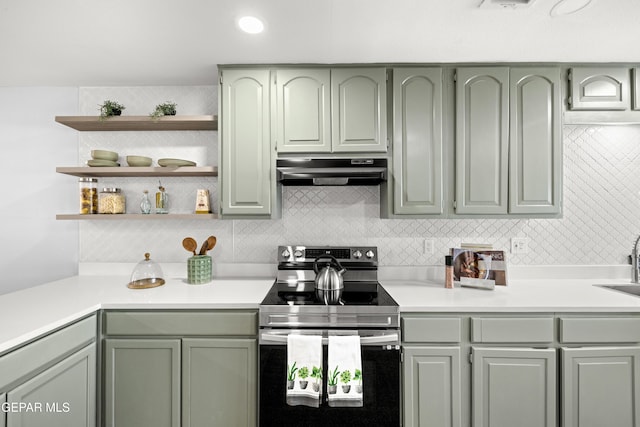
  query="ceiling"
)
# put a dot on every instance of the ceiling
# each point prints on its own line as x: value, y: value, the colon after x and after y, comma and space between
x: 180, y: 42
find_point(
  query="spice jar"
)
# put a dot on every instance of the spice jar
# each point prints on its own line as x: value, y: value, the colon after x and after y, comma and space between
x: 111, y: 201
x: 88, y: 195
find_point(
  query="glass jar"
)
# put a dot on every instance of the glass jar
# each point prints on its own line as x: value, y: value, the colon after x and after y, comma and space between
x: 88, y: 195
x: 111, y: 201
x: 145, y: 204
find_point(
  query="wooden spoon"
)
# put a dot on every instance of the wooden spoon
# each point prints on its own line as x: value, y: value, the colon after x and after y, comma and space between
x: 190, y: 244
x: 211, y: 242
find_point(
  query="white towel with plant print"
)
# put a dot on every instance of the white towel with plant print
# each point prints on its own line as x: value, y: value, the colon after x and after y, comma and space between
x: 304, y: 370
x: 344, y: 374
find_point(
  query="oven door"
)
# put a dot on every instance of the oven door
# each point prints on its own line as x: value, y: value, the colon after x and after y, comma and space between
x: 380, y: 351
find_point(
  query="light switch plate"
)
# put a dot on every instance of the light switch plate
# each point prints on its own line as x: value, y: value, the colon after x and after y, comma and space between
x: 429, y: 246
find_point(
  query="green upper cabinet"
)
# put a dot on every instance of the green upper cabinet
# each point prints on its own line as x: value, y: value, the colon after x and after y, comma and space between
x: 359, y: 99
x: 303, y: 110
x: 636, y: 89
x: 417, y: 141
x: 331, y: 110
x: 535, y: 141
x: 602, y: 88
x: 245, y: 153
x: 482, y: 140
x: 508, y: 141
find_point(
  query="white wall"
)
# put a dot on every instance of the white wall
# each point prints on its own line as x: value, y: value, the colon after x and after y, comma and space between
x: 35, y: 247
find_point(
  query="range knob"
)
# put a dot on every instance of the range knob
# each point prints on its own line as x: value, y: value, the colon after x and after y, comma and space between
x: 285, y: 253
x: 297, y: 253
x: 357, y: 254
x: 370, y: 254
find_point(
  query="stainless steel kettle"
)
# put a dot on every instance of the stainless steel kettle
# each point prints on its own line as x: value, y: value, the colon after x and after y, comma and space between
x: 330, y: 277
x: 329, y: 282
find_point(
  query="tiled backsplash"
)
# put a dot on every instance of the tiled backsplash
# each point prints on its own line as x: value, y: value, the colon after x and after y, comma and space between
x: 601, y: 214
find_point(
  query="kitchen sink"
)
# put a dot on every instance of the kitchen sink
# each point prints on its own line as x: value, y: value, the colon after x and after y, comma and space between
x: 631, y: 289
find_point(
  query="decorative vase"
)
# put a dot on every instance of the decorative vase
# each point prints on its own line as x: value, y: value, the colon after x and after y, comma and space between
x: 346, y: 388
x: 332, y: 389
x: 303, y: 384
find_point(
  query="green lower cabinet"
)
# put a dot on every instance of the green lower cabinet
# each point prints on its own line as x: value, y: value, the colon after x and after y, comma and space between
x: 3, y: 415
x: 219, y: 382
x: 601, y: 387
x: 142, y: 382
x: 432, y: 387
x: 514, y: 387
x: 63, y: 395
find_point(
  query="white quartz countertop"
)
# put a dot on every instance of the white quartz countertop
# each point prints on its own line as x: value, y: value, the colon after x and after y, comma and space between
x: 33, y: 312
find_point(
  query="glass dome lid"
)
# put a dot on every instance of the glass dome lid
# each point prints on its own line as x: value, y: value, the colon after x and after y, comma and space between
x: 147, y: 274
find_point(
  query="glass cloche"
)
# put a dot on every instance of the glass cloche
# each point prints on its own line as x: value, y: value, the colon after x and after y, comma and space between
x: 147, y: 274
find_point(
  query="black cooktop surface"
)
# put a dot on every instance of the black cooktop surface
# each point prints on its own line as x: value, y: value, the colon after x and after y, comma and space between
x: 304, y: 293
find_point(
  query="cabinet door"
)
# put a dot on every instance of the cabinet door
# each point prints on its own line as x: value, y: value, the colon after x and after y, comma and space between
x: 535, y: 164
x: 601, y: 387
x: 3, y: 414
x: 219, y: 385
x: 303, y: 111
x: 417, y: 142
x: 245, y: 164
x: 142, y: 383
x: 514, y: 387
x: 431, y: 377
x: 482, y: 122
x: 599, y: 88
x: 62, y: 396
x: 358, y: 110
x: 636, y: 89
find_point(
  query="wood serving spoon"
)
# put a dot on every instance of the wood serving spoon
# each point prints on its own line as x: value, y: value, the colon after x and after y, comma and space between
x: 208, y: 245
x: 190, y: 244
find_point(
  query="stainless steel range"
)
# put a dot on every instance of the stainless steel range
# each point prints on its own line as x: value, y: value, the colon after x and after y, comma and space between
x: 330, y: 291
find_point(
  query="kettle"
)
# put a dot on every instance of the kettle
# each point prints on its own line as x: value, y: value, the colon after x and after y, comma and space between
x: 328, y: 278
x: 329, y: 283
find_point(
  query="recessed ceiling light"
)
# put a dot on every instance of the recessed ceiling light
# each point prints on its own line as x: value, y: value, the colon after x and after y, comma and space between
x: 251, y: 24
x: 567, y: 7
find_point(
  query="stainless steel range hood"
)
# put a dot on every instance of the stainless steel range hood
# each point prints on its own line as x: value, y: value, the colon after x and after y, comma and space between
x: 331, y: 171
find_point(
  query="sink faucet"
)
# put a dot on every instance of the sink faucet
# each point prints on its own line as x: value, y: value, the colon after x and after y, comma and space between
x: 635, y: 274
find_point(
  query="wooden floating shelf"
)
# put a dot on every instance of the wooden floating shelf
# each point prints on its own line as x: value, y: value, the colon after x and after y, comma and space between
x: 139, y: 123
x: 120, y: 217
x: 97, y: 172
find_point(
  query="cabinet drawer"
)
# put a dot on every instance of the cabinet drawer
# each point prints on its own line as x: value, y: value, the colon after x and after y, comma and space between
x: 47, y: 350
x: 433, y: 329
x: 182, y: 323
x: 600, y: 330
x: 516, y: 329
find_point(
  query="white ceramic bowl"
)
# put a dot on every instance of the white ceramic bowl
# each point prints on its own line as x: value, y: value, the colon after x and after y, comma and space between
x: 140, y: 161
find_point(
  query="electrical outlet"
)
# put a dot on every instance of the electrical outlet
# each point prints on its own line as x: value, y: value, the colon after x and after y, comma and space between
x: 429, y: 246
x: 519, y: 245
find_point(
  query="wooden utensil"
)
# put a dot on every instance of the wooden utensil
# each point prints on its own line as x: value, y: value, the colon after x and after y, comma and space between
x: 204, y: 248
x: 190, y: 244
x: 211, y: 242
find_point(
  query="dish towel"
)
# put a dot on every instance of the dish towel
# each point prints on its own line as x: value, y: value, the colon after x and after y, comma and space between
x: 344, y: 375
x: 304, y: 370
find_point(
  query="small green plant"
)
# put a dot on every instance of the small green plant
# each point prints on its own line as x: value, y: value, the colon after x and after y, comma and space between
x: 357, y: 376
x: 110, y: 108
x: 164, y: 109
x: 303, y: 373
x: 291, y: 372
x: 333, y: 377
x: 345, y: 377
x: 316, y: 373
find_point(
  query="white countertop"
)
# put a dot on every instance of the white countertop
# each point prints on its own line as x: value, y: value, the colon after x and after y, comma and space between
x: 30, y: 313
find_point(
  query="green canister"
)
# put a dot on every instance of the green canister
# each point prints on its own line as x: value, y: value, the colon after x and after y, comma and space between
x: 199, y: 269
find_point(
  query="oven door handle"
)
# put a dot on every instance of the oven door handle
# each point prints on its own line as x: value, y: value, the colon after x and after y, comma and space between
x: 386, y: 339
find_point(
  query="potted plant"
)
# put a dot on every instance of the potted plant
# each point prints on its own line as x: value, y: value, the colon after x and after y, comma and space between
x: 291, y: 375
x: 164, y: 109
x: 345, y: 378
x: 332, y: 381
x: 316, y: 373
x: 303, y: 374
x: 110, y: 108
x: 357, y: 376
